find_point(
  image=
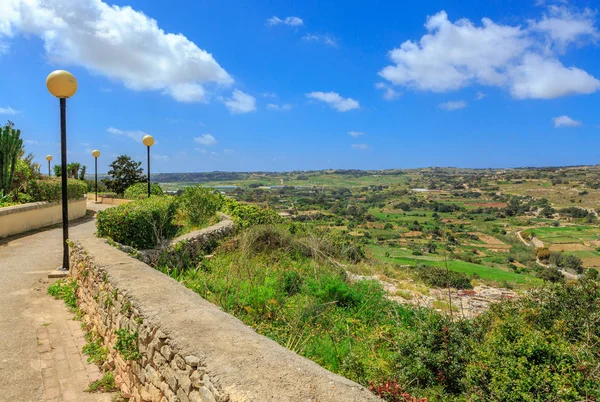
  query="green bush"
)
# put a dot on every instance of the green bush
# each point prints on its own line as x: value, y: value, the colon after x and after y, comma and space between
x: 140, y: 224
x: 246, y: 215
x: 50, y: 189
x: 198, y: 204
x: 140, y: 190
x: 441, y: 278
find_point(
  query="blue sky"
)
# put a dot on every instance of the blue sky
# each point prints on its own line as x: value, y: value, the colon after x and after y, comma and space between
x: 266, y: 85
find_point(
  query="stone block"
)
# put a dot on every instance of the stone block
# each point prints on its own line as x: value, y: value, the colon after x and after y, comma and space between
x: 192, y: 360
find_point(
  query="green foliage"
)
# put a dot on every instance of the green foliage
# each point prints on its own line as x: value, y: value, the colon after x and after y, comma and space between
x: 93, y: 348
x: 141, y: 224
x: 50, y: 189
x: 127, y: 344
x: 105, y: 384
x: 441, y: 278
x: 246, y: 215
x: 199, y: 204
x: 124, y: 173
x: 66, y: 290
x: 140, y: 190
x: 11, y: 149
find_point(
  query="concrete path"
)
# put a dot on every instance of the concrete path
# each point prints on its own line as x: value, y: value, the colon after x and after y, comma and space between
x: 40, y: 344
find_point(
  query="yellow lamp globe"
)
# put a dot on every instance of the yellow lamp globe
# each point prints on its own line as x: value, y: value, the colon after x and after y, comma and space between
x: 148, y: 140
x: 61, y: 84
x: 95, y: 153
x: 48, y: 158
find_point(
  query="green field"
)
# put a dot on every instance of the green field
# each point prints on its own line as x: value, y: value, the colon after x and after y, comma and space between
x: 404, y: 257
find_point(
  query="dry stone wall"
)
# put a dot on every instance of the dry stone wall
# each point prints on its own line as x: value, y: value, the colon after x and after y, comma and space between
x: 166, y: 343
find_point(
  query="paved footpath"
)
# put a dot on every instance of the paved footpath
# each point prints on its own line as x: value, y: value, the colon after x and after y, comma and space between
x: 40, y: 343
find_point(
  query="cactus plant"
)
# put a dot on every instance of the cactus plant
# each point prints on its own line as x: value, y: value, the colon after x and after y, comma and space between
x: 11, y: 147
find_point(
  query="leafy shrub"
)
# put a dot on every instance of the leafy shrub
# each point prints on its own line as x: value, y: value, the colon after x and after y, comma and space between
x: 127, y: 344
x: 50, y: 189
x: 198, y: 204
x: 246, y: 215
x: 550, y: 274
x: 66, y: 290
x: 140, y: 224
x: 140, y: 190
x: 441, y: 278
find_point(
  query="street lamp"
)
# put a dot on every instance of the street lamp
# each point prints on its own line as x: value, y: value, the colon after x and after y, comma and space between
x: 49, y: 158
x: 96, y: 154
x: 63, y: 85
x: 148, y: 141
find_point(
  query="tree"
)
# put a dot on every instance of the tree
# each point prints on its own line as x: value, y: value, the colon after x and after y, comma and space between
x: 124, y: 172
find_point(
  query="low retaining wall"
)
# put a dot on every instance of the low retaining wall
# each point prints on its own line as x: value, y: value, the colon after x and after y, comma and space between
x: 23, y: 218
x: 107, y: 200
x: 189, y: 349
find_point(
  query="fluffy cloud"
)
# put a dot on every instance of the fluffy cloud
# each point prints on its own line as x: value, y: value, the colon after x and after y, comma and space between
x: 480, y: 95
x: 565, y: 121
x: 159, y: 157
x: 361, y: 147
x: 355, y: 133
x: 291, y: 21
x: 388, y: 92
x: 240, y: 102
x: 206, y: 139
x: 7, y: 110
x: 334, y: 100
x: 118, y: 42
x: 455, y: 55
x: 286, y: 107
x: 324, y: 39
x: 453, y: 105
x: 135, y: 135
x: 565, y: 26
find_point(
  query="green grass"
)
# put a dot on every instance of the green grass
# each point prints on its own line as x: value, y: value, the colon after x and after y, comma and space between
x: 403, y: 257
x: 566, y: 234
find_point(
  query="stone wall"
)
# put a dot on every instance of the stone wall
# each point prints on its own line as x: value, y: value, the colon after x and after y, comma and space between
x: 185, y: 348
x: 36, y: 215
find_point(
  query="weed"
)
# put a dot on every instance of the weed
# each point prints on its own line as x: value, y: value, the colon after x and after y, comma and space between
x: 127, y: 344
x: 66, y: 290
x: 105, y: 384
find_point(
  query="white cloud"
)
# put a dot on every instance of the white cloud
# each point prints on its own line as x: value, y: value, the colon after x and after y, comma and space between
x: 355, y: 133
x: 201, y: 150
x: 453, y: 105
x: 135, y: 135
x: 388, y: 92
x: 291, y: 21
x: 334, y: 100
x: 228, y: 151
x: 206, y: 139
x: 32, y: 142
x: 7, y: 110
x: 117, y: 42
x: 542, y: 78
x: 240, y: 102
x: 456, y: 55
x: 480, y: 95
x: 159, y: 157
x: 564, y: 25
x: 286, y: 107
x: 361, y: 147
x: 269, y: 95
x: 324, y: 39
x: 565, y: 121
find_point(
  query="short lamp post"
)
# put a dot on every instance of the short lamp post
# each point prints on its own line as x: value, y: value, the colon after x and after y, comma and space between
x: 96, y: 154
x: 63, y: 85
x: 148, y: 141
x: 49, y: 159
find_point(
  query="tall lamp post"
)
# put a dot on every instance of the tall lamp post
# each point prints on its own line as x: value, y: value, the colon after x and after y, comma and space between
x: 96, y: 154
x: 148, y: 141
x: 63, y: 85
x: 49, y: 158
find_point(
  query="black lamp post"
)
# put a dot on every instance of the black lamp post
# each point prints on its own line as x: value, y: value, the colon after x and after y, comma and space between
x: 63, y: 85
x: 96, y: 154
x: 49, y: 158
x: 148, y: 141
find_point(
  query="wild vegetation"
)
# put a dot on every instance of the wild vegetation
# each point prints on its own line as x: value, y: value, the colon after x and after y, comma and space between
x: 366, y: 273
